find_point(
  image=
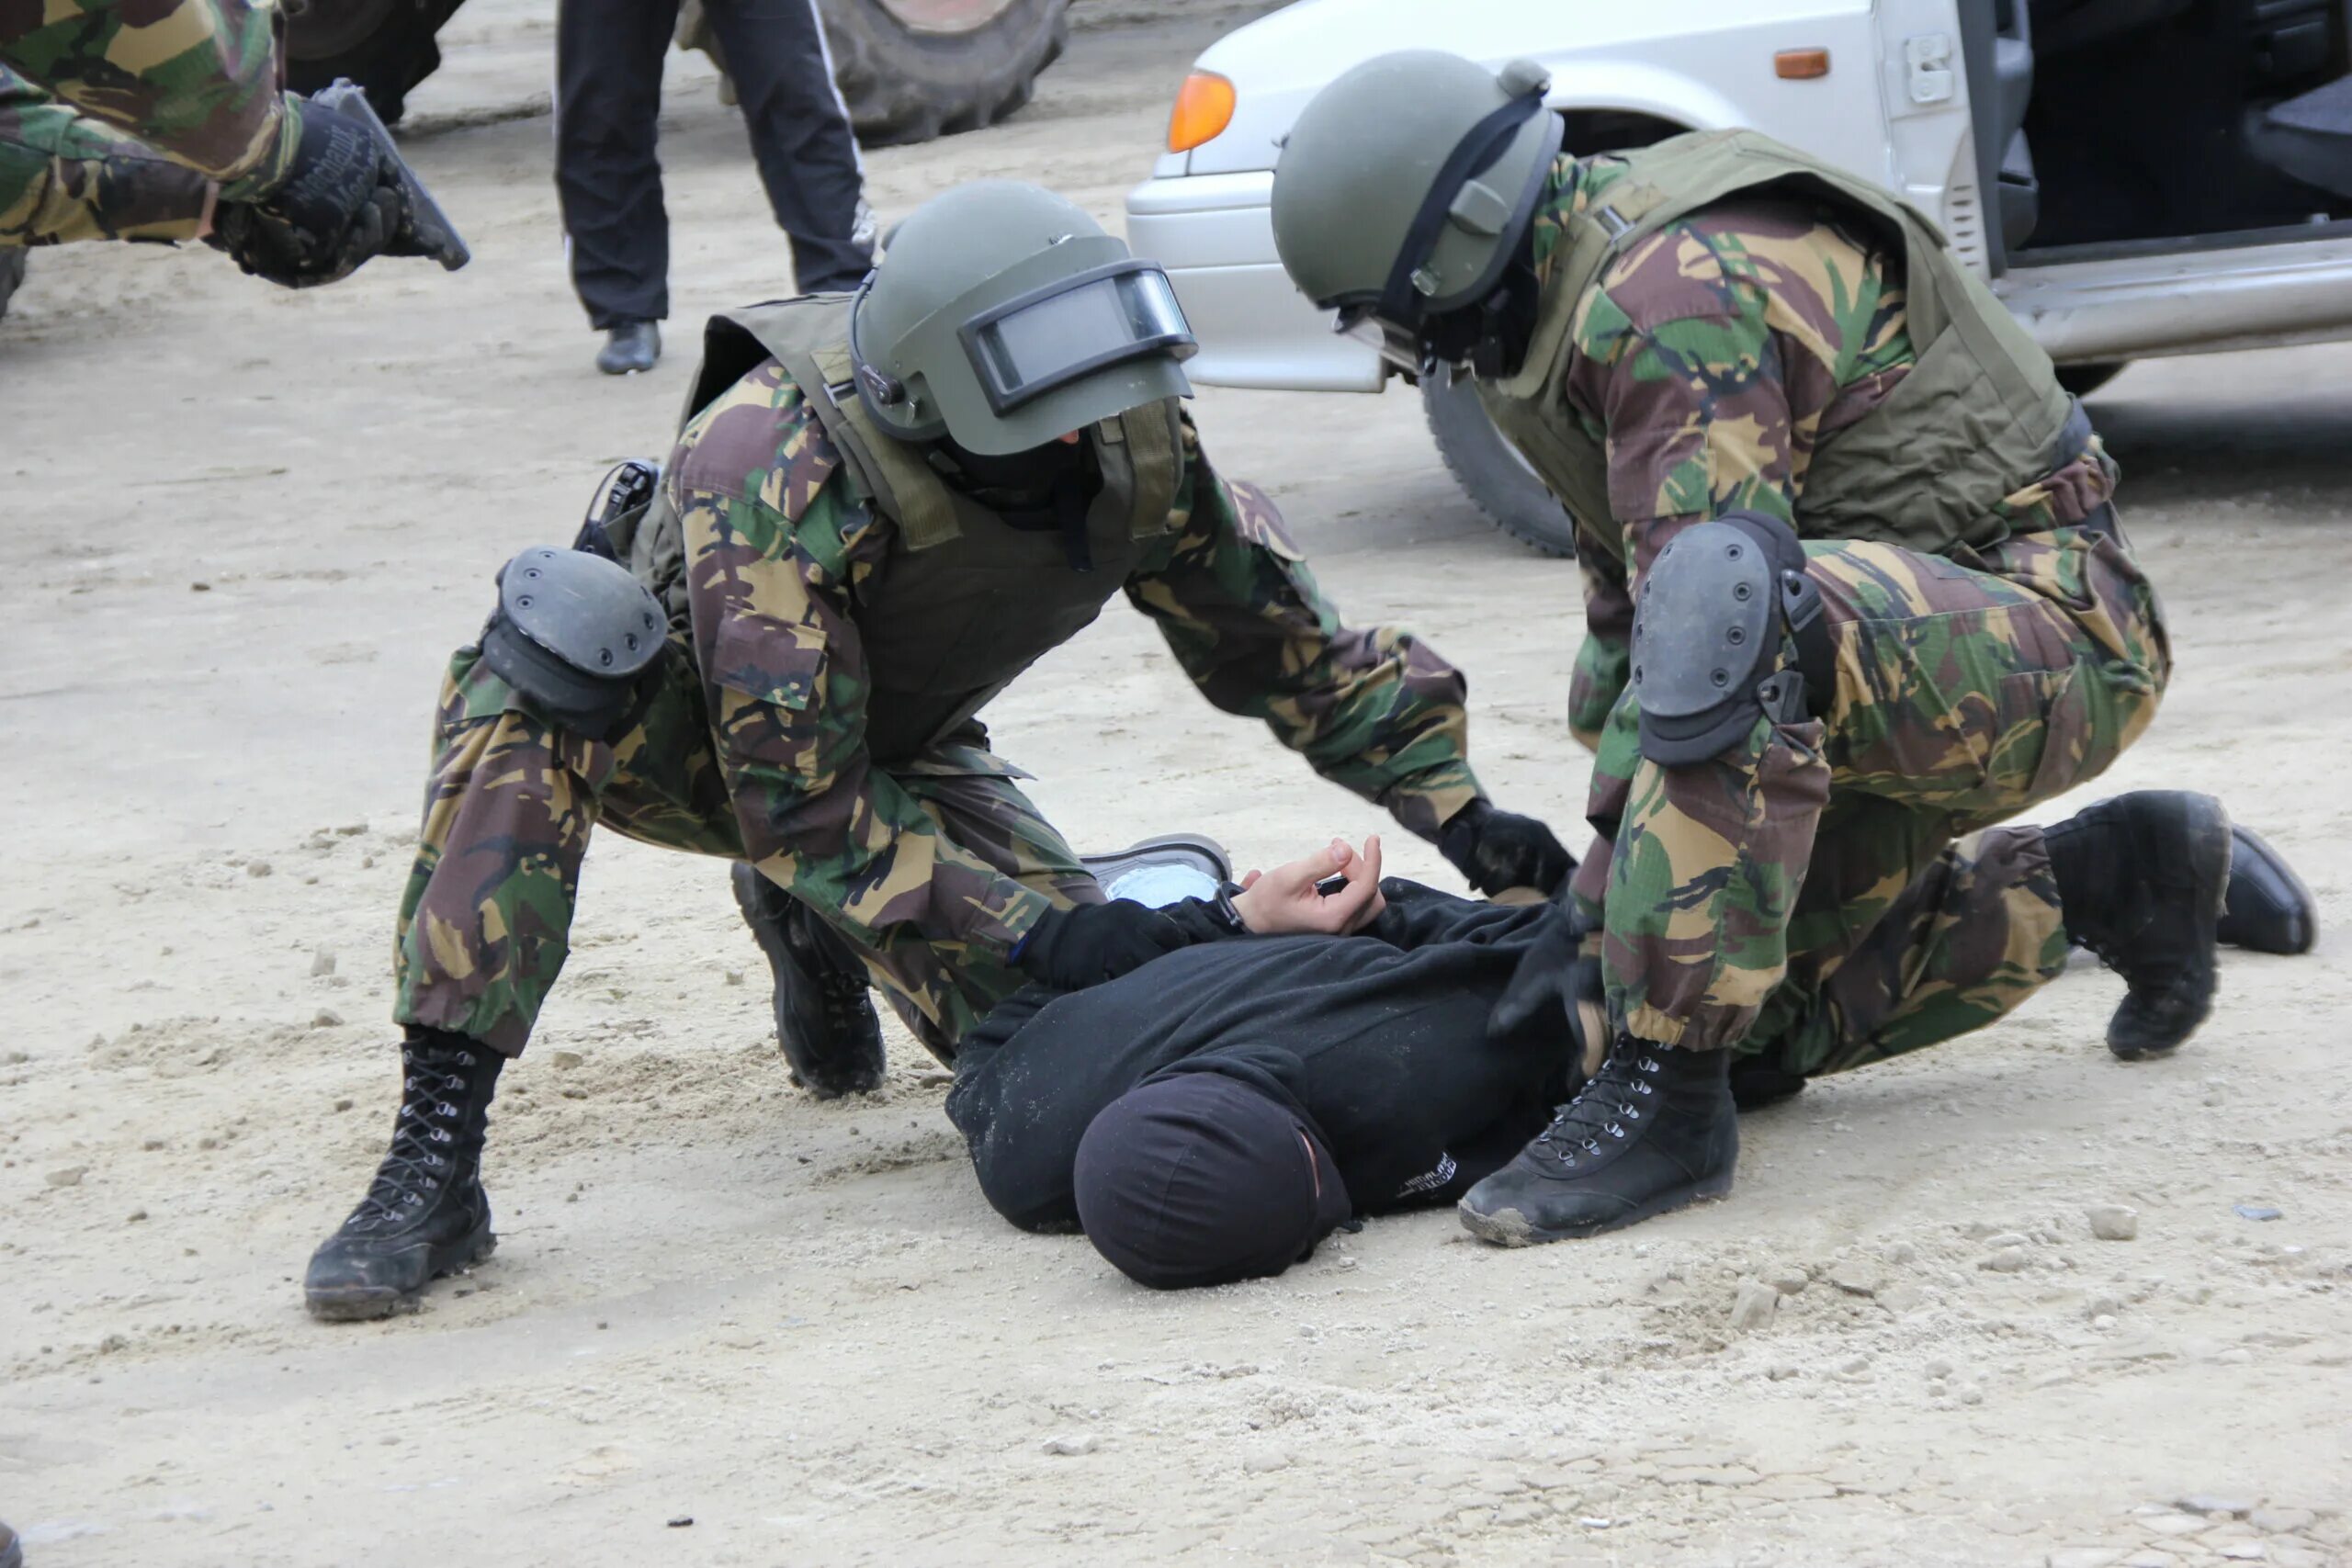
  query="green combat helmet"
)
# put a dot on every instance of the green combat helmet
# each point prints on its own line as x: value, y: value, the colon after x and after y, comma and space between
x: 1405, y: 188
x: 1002, y: 317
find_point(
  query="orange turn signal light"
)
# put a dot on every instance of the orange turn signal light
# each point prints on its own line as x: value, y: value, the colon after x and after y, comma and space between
x: 1204, y: 107
x: 1801, y: 65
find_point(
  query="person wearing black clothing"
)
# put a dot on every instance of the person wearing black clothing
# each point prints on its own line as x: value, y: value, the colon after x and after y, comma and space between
x: 1368, y: 1053
x: 608, y: 92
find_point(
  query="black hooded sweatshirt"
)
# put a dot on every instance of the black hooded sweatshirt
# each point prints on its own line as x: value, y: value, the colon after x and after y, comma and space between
x: 1378, y: 1041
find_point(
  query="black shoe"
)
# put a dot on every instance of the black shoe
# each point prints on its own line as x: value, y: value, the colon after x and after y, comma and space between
x: 1162, y: 871
x: 1654, y: 1130
x: 628, y: 348
x: 825, y: 1017
x: 2140, y: 884
x: 2267, y: 909
x: 425, y: 1213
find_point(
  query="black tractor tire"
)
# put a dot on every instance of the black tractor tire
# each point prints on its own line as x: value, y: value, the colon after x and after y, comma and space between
x: 1490, y: 470
x: 2083, y: 379
x: 12, y: 273
x: 385, y: 46
x: 903, y: 83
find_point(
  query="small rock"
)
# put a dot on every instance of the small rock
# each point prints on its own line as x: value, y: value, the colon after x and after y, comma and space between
x: 2009, y: 1261
x: 2208, y: 1503
x: 71, y: 1176
x: 565, y: 1061
x: 680, y: 1521
x: 1898, y: 1253
x: 1782, y: 1371
x: 2103, y: 1322
x: 256, y: 868
x: 2007, y: 1238
x: 2113, y: 1222
x: 1902, y: 1297
x: 1262, y: 1464
x: 367, y: 862
x: 734, y: 976
x: 2105, y: 1306
x: 1752, y: 1306
x: 1069, y: 1447
x: 135, y: 1216
x: 343, y: 1104
x: 1856, y: 1280
x: 2173, y: 1524
x: 1788, y: 1278
x: 322, y: 963
x: 2257, y: 1211
x: 112, y: 1343
x: 2280, y: 1521
x: 352, y: 829
x: 325, y: 1018
x: 199, y: 588
x: 1938, y: 1368
x: 2244, y: 1551
x: 1969, y: 1393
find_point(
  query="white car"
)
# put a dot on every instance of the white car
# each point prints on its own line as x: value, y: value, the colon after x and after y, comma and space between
x: 2137, y: 177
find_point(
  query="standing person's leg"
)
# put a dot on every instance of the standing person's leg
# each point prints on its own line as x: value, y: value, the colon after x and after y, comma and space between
x: 800, y: 136
x: 608, y: 93
x: 1968, y: 692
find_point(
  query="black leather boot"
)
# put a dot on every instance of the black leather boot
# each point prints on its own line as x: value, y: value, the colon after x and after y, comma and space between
x: 425, y: 1213
x: 2140, y: 883
x: 824, y: 1016
x: 1654, y: 1130
x: 2268, y: 909
x: 629, y: 347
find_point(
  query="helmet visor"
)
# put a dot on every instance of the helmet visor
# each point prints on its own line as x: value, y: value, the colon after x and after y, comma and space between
x: 1051, y: 336
x: 1399, y: 346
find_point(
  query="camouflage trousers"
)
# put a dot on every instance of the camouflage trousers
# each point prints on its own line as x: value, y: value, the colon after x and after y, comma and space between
x: 1803, y: 892
x: 485, y: 921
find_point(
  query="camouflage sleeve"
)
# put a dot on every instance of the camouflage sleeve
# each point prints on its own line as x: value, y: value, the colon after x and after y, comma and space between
x: 1374, y: 710
x: 1605, y: 660
x: 770, y: 570
x: 1717, y: 352
x: 189, y: 85
x: 64, y: 176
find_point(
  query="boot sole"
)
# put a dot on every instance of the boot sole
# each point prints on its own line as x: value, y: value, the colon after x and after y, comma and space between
x: 2208, y: 833
x: 358, y: 1303
x: 1509, y: 1227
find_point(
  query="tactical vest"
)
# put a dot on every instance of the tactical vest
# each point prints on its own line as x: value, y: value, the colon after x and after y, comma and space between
x: 1979, y: 416
x: 964, y: 601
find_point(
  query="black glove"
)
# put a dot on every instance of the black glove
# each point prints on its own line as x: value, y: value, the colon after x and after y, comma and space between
x: 340, y: 203
x: 1495, y: 850
x: 1088, y: 943
x: 1555, y: 983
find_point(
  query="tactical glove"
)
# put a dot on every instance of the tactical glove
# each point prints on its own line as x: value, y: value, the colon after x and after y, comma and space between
x: 1088, y: 943
x: 341, y: 203
x: 1495, y: 850
x: 1556, y: 982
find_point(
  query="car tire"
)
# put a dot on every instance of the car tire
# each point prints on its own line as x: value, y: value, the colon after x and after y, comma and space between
x: 385, y: 46
x: 1490, y: 470
x: 2083, y: 379
x: 12, y: 273
x: 904, y: 81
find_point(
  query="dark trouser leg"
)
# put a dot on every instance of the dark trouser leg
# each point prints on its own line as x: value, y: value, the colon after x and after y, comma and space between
x: 608, y: 58
x: 800, y: 134
x: 485, y: 922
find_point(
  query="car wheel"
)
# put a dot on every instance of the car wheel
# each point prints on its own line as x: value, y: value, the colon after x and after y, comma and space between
x: 2083, y: 379
x: 12, y: 273
x: 1490, y: 470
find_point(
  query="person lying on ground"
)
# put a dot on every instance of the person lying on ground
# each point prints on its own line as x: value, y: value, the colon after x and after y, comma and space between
x: 1308, y: 1061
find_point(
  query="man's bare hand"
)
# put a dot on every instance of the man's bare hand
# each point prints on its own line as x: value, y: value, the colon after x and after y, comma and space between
x: 1284, y: 902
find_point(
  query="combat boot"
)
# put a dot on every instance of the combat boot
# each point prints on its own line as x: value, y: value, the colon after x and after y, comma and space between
x: 425, y: 1213
x: 1654, y: 1130
x: 825, y: 1017
x: 2268, y: 909
x: 2141, y: 879
x: 630, y: 347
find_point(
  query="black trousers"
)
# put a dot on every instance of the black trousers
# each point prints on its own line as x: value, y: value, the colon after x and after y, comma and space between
x: 608, y: 58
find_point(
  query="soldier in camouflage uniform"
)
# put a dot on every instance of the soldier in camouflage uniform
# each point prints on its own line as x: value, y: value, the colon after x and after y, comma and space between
x: 879, y: 511
x: 162, y: 119
x: 1855, y: 593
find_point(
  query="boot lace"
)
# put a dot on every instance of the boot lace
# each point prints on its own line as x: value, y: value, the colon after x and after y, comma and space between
x: 1610, y: 1105
x: 425, y: 1140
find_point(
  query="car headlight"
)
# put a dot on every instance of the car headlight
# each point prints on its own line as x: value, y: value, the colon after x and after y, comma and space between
x: 1204, y: 107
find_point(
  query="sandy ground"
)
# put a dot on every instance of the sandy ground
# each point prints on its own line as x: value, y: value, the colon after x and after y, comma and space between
x: 243, y: 529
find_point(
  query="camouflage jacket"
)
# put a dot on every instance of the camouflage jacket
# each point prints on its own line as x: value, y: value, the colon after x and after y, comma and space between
x: 1712, y: 361
x: 1374, y: 710
x: 125, y: 118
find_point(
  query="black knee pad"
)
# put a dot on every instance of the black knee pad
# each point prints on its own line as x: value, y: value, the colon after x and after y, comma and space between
x: 572, y: 632
x: 1707, y: 632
